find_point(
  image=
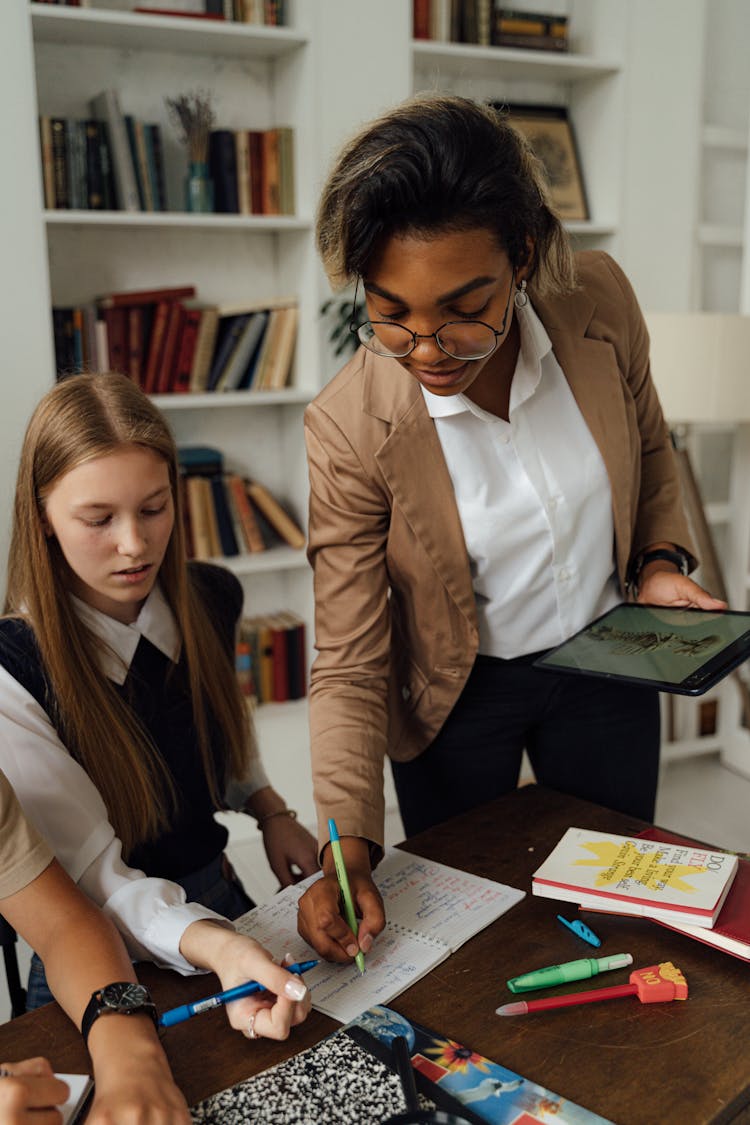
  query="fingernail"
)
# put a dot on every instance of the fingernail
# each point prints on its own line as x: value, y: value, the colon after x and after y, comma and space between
x: 295, y: 990
x: 352, y: 950
x: 366, y: 943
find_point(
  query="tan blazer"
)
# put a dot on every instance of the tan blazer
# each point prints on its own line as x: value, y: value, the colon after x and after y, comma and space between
x: 395, y: 618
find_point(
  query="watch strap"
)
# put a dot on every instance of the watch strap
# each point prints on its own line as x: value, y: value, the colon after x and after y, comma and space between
x: 97, y: 1006
x: 676, y: 556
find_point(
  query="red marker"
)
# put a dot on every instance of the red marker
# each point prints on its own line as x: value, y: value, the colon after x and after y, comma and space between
x: 653, y: 985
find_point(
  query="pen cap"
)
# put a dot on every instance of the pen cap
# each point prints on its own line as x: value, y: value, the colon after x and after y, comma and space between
x: 616, y: 961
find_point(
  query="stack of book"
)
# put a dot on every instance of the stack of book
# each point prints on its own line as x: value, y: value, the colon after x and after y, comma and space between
x: 271, y: 657
x: 227, y: 515
x: 483, y: 23
x: 167, y: 342
x: 253, y: 170
x: 268, y: 13
x: 676, y: 883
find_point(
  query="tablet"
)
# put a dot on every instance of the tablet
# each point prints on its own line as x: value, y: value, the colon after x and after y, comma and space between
x: 685, y: 651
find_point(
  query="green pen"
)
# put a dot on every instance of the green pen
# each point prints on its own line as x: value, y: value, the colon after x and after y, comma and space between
x: 346, y: 894
x: 571, y: 970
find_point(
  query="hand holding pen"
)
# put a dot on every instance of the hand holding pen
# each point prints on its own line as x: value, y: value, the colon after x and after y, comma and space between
x: 321, y: 921
x: 277, y: 1002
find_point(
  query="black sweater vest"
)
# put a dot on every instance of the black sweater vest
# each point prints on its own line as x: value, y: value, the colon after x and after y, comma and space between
x: 158, y: 693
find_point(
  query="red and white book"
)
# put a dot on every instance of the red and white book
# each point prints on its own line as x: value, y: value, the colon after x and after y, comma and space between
x: 679, y: 883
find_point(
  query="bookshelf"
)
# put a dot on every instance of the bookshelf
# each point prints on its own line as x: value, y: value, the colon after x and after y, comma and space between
x: 259, y: 77
x: 340, y: 62
x: 588, y: 80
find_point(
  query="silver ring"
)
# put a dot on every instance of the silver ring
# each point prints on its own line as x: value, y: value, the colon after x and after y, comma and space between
x: 250, y: 1031
x: 5, y: 1073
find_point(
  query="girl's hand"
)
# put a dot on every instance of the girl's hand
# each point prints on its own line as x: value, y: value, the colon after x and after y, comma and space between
x: 29, y: 1092
x: 236, y: 958
x: 292, y: 852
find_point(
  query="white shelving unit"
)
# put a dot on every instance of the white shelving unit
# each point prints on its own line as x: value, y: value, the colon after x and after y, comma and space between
x: 258, y: 77
x: 588, y: 81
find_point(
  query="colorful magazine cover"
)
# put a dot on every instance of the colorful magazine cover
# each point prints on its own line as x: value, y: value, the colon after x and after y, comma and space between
x: 463, y: 1082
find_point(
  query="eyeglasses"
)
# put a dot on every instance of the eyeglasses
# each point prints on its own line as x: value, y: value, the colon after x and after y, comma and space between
x: 459, y: 339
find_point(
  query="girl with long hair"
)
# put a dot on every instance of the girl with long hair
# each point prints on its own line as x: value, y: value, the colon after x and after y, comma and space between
x: 122, y: 727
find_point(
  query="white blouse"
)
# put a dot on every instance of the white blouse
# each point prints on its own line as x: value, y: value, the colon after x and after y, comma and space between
x: 535, y: 505
x: 62, y: 802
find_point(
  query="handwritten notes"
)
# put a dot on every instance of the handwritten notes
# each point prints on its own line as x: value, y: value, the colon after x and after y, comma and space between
x: 431, y: 908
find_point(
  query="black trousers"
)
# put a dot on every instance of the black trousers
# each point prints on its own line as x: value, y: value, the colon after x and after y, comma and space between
x: 585, y: 736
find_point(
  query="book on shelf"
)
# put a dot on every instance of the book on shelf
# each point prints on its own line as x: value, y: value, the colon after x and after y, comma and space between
x: 633, y: 875
x: 48, y: 162
x: 106, y: 107
x: 279, y: 519
x: 354, y: 1068
x: 276, y: 655
x: 222, y: 168
x: 204, y: 348
x: 431, y: 910
x: 129, y: 297
x: 244, y: 514
x: 731, y: 930
x: 228, y: 546
x: 239, y: 351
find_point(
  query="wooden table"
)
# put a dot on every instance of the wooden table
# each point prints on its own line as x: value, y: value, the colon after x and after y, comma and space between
x: 686, y: 1063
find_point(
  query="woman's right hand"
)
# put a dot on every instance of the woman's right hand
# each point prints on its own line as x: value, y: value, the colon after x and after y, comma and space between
x: 29, y: 1092
x: 319, y: 918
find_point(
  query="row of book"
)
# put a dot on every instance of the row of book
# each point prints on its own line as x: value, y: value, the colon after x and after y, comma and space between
x: 169, y: 343
x: 109, y: 161
x: 271, y: 658
x: 252, y: 170
x: 113, y: 161
x: 487, y: 24
x: 268, y: 13
x: 226, y: 514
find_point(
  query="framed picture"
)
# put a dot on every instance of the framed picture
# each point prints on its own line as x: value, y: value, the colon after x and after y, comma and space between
x: 550, y: 134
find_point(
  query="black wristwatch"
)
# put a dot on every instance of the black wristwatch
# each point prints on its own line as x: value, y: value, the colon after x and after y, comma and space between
x: 123, y: 998
x: 676, y: 556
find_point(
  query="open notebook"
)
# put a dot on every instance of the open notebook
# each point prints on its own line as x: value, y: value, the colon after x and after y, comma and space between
x: 431, y: 910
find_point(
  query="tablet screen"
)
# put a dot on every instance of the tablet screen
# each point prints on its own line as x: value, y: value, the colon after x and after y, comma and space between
x: 682, y: 650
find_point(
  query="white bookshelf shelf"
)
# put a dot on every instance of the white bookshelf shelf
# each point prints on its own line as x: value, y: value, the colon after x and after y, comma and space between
x: 548, y: 66
x: 722, y: 137
x: 290, y: 396
x: 717, y: 235
x: 172, y: 219
x: 134, y: 31
x: 274, y: 560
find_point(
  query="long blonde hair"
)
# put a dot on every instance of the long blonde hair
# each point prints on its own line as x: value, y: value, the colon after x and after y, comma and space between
x: 82, y: 418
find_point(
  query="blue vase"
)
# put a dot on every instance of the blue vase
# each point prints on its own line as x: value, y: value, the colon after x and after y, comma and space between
x: 199, y: 188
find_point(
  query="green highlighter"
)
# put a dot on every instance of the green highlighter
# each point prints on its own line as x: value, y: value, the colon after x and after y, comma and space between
x: 346, y: 894
x: 571, y: 970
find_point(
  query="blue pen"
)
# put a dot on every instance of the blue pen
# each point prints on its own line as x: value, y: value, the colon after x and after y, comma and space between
x: 185, y: 1011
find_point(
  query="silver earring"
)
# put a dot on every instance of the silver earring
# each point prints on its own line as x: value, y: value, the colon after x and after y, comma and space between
x: 520, y: 298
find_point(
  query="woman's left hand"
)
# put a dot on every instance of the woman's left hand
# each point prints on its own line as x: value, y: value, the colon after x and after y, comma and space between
x: 291, y: 850
x: 670, y: 588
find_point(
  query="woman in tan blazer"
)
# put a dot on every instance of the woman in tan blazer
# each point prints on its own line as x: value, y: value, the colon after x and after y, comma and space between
x: 489, y: 473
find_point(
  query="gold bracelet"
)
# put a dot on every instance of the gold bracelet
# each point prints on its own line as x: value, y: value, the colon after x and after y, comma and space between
x: 262, y: 821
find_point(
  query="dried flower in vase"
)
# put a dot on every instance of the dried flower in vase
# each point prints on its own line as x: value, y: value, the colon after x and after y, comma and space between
x: 193, y: 118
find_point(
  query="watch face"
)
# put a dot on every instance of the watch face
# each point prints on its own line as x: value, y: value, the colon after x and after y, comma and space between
x: 125, y: 997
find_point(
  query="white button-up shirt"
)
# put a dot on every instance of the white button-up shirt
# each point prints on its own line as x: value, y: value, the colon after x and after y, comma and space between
x: 60, y: 799
x: 535, y: 505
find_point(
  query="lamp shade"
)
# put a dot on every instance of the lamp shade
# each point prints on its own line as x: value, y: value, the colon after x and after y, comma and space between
x: 700, y: 364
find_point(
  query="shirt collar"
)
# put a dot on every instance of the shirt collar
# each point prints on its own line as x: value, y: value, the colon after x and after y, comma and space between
x: 155, y: 622
x: 535, y: 345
